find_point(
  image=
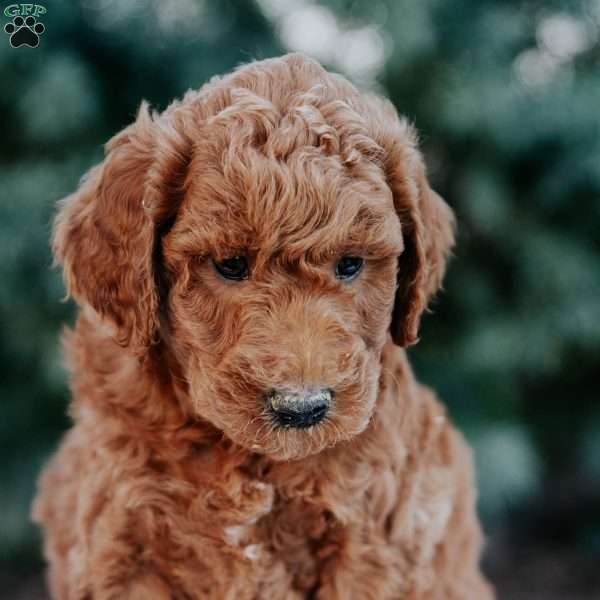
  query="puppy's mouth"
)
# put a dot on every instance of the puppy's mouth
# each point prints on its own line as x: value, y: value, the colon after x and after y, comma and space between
x: 300, y: 408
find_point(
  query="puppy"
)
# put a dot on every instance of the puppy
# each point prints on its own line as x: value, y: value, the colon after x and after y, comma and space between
x: 250, y: 265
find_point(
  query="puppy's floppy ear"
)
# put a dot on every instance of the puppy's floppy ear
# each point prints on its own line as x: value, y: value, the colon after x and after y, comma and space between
x: 105, y: 233
x: 427, y: 226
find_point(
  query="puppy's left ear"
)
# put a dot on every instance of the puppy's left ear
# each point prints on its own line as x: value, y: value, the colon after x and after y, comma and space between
x: 427, y: 223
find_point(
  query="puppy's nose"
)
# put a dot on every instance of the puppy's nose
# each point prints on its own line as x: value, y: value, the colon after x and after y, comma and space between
x: 299, y: 407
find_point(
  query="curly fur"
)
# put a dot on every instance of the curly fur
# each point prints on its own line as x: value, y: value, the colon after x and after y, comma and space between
x: 174, y: 482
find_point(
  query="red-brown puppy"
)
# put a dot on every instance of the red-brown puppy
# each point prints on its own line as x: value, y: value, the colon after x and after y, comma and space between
x: 250, y: 264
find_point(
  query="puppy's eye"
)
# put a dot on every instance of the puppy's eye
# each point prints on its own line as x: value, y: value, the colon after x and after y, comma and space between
x: 235, y: 268
x: 348, y: 267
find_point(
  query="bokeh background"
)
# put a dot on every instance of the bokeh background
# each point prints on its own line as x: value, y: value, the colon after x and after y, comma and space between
x: 506, y: 95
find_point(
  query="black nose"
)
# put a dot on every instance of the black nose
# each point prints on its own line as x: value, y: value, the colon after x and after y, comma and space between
x: 299, y: 407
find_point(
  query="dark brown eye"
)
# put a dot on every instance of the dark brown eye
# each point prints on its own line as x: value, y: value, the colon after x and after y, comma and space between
x: 234, y: 268
x: 348, y: 267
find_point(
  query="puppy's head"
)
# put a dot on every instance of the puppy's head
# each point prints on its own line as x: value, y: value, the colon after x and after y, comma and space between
x: 270, y: 230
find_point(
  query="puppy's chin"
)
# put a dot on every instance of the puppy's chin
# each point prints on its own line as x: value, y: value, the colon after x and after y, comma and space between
x: 283, y: 444
x: 286, y: 443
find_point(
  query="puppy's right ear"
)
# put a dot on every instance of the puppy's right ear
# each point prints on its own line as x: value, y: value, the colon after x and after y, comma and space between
x: 105, y: 233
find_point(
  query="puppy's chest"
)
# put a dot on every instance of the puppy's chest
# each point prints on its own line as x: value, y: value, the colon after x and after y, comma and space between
x: 295, y: 536
x: 302, y: 534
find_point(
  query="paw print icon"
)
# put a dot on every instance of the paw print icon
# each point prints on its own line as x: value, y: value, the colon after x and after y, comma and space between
x: 24, y: 32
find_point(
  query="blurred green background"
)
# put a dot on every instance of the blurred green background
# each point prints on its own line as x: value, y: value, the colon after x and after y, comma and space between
x: 506, y: 95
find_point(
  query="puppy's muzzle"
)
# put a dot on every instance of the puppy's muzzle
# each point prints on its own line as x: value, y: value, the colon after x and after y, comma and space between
x: 292, y: 407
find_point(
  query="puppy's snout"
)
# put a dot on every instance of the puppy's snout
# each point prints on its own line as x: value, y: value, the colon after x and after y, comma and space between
x: 299, y: 407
